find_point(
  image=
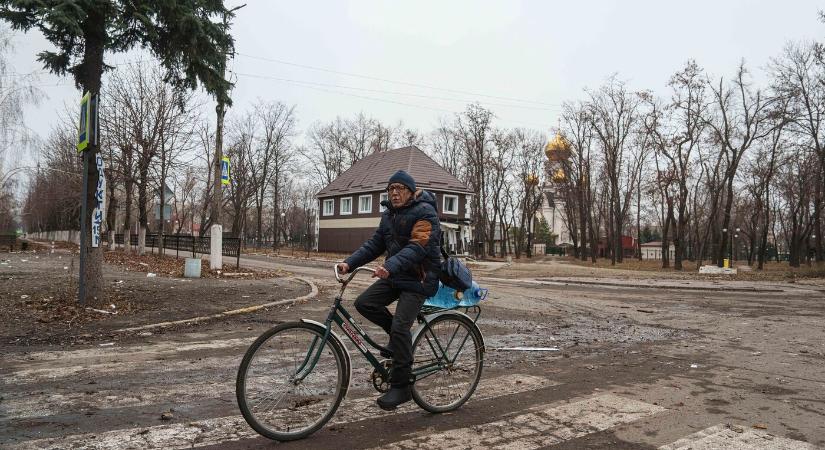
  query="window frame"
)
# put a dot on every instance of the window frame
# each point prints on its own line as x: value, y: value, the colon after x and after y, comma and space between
x: 444, y: 204
x: 361, y: 211
x: 341, y: 206
x: 383, y: 196
x: 324, y: 207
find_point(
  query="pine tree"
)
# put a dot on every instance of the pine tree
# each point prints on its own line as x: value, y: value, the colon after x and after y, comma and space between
x: 190, y: 38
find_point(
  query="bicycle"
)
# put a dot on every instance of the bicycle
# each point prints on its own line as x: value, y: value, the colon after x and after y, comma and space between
x: 293, y: 378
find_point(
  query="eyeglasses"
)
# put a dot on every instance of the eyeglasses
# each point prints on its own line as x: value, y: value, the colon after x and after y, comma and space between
x: 396, y: 187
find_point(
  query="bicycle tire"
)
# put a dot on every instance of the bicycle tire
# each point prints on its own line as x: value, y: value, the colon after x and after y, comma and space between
x: 451, y: 386
x: 317, y: 402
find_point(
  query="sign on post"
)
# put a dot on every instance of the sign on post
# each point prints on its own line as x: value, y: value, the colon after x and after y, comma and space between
x: 84, y: 132
x: 225, y: 170
x: 99, y: 213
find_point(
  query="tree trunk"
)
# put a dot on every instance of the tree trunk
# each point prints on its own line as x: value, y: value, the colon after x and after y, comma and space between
x: 665, y: 234
x: 143, y: 216
x: 88, y: 76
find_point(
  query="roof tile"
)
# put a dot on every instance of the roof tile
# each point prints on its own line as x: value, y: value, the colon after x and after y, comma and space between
x: 372, y: 172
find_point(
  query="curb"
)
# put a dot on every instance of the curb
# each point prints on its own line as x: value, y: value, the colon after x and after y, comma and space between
x: 562, y: 282
x: 313, y: 292
x: 668, y: 287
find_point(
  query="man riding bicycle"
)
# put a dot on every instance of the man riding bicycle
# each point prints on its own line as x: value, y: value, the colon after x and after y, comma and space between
x: 410, y: 234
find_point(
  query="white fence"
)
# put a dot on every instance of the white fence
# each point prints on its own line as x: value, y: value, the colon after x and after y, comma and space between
x: 65, y: 236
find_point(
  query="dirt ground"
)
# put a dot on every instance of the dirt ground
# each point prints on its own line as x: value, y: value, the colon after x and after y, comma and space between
x: 38, y: 294
x: 621, y: 368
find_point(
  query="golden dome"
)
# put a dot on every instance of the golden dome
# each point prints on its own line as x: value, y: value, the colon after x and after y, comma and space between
x: 559, y: 176
x: 558, y: 149
x: 532, y: 179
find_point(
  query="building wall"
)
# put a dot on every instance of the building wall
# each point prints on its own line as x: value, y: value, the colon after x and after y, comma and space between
x: 376, y: 210
x: 346, y: 232
x: 343, y: 240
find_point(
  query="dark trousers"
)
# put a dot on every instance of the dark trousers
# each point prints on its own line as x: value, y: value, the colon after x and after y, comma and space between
x: 372, y: 304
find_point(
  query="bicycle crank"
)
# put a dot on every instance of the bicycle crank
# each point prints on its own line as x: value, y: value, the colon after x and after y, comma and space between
x: 380, y: 383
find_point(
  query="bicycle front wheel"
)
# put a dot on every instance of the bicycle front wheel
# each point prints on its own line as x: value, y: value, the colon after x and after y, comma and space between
x: 272, y: 398
x: 448, y: 356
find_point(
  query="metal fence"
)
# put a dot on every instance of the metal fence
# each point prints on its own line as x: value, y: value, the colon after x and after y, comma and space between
x: 8, y: 240
x: 187, y: 244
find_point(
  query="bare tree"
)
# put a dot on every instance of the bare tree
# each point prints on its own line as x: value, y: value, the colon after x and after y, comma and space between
x: 446, y: 146
x: 736, y: 123
x: 576, y: 129
x: 798, y: 78
x: 676, y: 130
x: 474, y: 128
x: 614, y: 112
x: 528, y: 179
x: 269, y: 166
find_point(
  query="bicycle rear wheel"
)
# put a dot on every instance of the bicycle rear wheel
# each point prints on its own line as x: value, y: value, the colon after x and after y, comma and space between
x: 271, y: 401
x: 450, y: 350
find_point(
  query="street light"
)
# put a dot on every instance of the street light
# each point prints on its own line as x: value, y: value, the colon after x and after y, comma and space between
x: 724, y: 231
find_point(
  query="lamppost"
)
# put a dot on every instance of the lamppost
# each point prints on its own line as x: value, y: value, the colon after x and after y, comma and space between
x: 808, y: 249
x: 732, y: 246
x: 277, y: 237
x: 724, y: 231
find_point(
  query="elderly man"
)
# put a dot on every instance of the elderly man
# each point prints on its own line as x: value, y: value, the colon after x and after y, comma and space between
x: 410, y: 235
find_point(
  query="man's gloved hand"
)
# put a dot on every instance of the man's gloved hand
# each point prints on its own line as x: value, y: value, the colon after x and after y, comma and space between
x: 381, y: 272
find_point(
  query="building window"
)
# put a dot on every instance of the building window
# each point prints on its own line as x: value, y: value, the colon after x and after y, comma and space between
x: 364, y: 204
x: 329, y: 207
x: 384, y: 196
x: 346, y: 206
x: 451, y: 204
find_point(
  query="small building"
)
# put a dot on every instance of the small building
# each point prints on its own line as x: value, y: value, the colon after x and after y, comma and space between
x: 653, y: 250
x: 350, y: 207
x: 628, y: 247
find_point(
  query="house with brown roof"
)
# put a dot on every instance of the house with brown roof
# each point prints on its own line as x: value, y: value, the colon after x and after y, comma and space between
x: 350, y: 207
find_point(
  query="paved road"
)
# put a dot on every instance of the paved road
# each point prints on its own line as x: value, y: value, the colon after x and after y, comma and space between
x: 636, y: 368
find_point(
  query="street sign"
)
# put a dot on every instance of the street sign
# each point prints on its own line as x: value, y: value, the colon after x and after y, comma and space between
x: 84, y: 133
x: 224, y: 170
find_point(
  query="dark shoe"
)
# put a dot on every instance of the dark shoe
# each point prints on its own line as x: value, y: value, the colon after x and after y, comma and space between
x: 394, y: 397
x: 388, y: 353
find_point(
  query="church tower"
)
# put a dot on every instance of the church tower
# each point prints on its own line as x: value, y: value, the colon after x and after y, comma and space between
x: 552, y: 206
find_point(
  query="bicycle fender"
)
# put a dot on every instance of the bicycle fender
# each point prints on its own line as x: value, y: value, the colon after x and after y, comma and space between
x: 432, y: 316
x: 338, y: 340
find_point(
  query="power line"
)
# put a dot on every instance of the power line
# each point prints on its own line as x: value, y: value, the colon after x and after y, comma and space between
x: 368, y: 77
x: 350, y: 94
x: 380, y: 91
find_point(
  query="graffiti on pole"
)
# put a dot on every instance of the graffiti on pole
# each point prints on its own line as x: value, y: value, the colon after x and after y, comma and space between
x: 99, y: 213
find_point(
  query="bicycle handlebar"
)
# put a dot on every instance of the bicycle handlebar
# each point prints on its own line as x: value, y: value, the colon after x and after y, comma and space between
x: 352, y: 274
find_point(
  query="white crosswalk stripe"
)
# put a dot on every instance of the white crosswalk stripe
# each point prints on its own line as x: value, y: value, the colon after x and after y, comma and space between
x: 539, y: 427
x: 726, y: 437
x: 223, y: 429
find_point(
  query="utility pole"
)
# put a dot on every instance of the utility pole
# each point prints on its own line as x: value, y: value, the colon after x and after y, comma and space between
x: 216, y: 232
x: 216, y: 241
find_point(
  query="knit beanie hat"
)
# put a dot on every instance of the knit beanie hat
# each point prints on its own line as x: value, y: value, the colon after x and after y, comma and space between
x: 403, y: 178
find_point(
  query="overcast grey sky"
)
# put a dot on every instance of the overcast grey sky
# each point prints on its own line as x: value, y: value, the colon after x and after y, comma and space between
x: 521, y: 59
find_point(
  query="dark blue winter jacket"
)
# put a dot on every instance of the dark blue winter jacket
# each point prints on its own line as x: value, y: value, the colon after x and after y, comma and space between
x: 411, y: 237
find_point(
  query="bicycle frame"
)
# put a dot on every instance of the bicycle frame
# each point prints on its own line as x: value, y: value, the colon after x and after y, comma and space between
x: 340, y: 316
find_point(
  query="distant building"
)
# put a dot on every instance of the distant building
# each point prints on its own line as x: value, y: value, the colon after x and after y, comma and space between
x: 628, y: 247
x: 552, y: 202
x: 350, y: 207
x: 552, y: 210
x: 653, y: 250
